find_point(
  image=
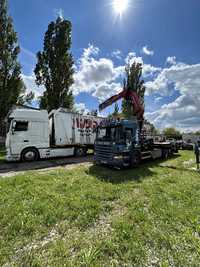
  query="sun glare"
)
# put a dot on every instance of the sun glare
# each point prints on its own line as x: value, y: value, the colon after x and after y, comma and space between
x: 120, y: 6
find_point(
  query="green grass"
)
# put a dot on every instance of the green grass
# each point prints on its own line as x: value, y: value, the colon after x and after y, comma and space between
x: 2, y: 153
x: 95, y: 216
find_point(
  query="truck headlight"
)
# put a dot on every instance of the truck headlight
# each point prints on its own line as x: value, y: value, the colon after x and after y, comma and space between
x: 118, y: 157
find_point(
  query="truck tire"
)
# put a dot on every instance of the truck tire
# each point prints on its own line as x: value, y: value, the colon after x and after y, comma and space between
x: 80, y: 152
x: 29, y: 154
x: 165, y: 154
x: 135, y: 159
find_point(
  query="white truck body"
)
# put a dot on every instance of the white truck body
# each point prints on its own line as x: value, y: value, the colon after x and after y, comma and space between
x: 56, y: 134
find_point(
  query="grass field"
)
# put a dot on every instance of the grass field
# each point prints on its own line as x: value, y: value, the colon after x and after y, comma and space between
x: 95, y: 216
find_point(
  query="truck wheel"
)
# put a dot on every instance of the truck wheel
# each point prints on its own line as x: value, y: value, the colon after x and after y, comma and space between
x: 170, y: 152
x: 135, y: 160
x: 165, y: 154
x: 30, y: 154
x: 79, y: 152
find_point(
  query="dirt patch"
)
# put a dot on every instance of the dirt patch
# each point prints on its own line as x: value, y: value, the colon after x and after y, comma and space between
x: 12, y: 169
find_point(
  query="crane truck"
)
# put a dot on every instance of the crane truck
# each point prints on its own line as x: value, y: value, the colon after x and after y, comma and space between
x: 122, y: 143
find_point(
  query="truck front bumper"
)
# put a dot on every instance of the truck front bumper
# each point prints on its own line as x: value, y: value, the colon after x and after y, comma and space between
x: 12, y: 157
x: 116, y: 161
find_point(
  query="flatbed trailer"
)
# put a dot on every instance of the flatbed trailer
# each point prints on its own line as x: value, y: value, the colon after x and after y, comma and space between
x: 159, y: 150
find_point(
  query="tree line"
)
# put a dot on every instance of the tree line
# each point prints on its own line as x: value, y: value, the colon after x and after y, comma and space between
x: 12, y: 88
x: 54, y: 68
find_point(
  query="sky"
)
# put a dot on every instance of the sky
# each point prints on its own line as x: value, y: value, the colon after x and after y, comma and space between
x: 161, y: 34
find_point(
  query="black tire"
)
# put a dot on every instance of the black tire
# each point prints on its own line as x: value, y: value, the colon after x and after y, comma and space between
x: 29, y: 154
x: 80, y: 152
x: 135, y: 159
x: 165, y: 154
x: 85, y: 151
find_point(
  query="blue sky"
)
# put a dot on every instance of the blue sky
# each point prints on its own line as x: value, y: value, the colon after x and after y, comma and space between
x: 162, y: 34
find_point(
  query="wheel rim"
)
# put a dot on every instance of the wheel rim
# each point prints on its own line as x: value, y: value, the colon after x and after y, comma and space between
x: 29, y: 155
x: 80, y: 152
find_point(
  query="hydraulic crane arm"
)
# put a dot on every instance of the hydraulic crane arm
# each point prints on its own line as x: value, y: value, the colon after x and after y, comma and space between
x: 112, y: 100
x: 129, y: 95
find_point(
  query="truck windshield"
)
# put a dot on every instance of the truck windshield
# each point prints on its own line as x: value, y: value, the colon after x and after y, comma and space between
x: 110, y: 133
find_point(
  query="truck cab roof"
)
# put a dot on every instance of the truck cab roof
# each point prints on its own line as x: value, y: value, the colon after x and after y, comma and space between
x: 29, y: 114
x: 115, y: 123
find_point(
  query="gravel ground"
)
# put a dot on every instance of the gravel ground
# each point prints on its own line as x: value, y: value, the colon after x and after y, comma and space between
x: 11, y: 169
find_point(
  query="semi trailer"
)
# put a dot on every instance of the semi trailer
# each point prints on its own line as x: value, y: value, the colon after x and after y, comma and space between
x: 122, y: 143
x: 35, y: 134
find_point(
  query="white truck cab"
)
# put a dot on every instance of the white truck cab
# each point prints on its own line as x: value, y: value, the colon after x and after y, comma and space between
x: 28, y: 133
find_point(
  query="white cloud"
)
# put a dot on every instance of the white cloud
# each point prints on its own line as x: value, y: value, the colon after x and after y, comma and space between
x: 106, y: 90
x: 147, y: 51
x: 171, y: 60
x: 99, y: 77
x: 184, y: 111
x: 29, y: 81
x: 117, y: 54
x: 91, y: 50
x: 184, y: 78
x: 95, y: 76
x: 148, y: 70
x: 81, y: 108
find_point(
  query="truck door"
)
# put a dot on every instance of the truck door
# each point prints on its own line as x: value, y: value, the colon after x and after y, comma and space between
x: 128, y: 135
x: 19, y: 135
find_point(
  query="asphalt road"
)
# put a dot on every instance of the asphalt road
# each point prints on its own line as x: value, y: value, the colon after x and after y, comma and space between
x: 10, y: 169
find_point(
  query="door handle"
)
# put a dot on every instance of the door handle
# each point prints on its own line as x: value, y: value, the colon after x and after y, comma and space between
x: 26, y: 141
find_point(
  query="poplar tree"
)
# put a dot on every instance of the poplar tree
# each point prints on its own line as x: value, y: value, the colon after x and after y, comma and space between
x: 54, y: 68
x: 116, y: 110
x: 133, y: 82
x: 11, y: 84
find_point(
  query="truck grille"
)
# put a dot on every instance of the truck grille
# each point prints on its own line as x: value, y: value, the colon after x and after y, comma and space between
x: 103, y: 152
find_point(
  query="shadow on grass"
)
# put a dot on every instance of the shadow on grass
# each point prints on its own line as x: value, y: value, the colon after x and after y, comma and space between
x: 115, y: 176
x: 180, y: 168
